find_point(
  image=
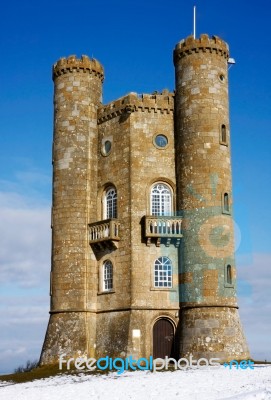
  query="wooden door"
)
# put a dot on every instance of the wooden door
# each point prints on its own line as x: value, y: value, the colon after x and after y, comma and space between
x: 163, y: 339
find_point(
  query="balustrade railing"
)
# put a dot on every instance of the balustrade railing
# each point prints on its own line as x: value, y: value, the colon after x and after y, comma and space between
x: 107, y: 229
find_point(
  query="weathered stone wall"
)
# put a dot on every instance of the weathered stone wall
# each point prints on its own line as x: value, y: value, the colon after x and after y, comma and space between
x: 203, y: 175
x: 213, y: 332
x: 149, y: 165
x: 132, y: 166
x: 114, y: 170
x: 74, y: 272
x: 195, y: 163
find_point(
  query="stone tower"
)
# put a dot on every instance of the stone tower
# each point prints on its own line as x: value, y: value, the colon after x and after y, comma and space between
x: 210, y: 325
x: 77, y: 94
x: 142, y: 228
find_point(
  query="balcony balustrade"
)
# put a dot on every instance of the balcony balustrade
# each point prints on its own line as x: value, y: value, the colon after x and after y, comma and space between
x: 104, y: 234
x: 163, y: 227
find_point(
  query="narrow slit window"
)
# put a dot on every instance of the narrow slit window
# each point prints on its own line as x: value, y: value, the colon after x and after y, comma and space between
x: 223, y: 134
x: 226, y: 203
x: 229, y: 275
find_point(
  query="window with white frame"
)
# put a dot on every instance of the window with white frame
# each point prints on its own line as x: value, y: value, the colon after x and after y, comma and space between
x: 161, y: 199
x: 163, y: 272
x: 107, y: 275
x: 111, y: 203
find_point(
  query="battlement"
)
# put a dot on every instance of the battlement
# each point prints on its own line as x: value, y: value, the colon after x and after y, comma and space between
x: 133, y: 102
x: 204, y: 44
x: 72, y: 63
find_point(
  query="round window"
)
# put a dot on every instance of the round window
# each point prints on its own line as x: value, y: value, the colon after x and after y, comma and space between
x: 106, y: 147
x: 161, y: 141
x: 222, y: 77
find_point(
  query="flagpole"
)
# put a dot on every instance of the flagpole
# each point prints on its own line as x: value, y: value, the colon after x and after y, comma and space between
x: 194, y: 22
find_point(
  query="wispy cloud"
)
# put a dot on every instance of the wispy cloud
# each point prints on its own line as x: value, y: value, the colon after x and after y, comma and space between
x: 254, y: 275
x: 24, y: 269
x: 25, y: 241
x: 22, y: 329
x: 26, y: 187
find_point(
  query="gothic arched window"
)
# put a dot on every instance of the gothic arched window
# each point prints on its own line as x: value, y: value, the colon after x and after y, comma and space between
x: 111, y: 203
x: 161, y: 200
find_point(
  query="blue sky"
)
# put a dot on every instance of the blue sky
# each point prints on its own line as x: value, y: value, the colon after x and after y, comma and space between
x: 134, y: 41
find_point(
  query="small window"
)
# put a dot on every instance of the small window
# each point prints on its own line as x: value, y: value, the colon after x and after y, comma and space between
x: 160, y: 141
x: 161, y: 200
x: 163, y: 273
x: 223, y: 139
x: 107, y: 275
x: 229, y: 275
x: 111, y: 203
x: 106, y: 147
x: 226, y: 204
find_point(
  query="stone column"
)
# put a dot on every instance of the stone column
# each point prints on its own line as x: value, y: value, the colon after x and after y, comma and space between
x: 210, y: 325
x: 78, y: 88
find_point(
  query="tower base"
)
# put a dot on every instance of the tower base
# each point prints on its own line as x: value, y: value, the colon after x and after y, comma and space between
x: 68, y: 333
x: 213, y: 332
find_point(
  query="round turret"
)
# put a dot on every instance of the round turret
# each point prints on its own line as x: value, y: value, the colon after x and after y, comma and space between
x: 77, y: 96
x: 73, y: 64
x: 204, y: 195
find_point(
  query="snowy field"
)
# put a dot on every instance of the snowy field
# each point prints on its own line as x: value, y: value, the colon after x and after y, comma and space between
x: 193, y: 384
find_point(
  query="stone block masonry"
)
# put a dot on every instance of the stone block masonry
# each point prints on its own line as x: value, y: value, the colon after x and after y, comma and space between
x: 142, y: 230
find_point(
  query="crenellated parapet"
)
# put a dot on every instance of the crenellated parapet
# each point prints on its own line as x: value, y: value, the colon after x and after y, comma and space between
x: 204, y: 44
x: 133, y: 102
x: 72, y: 63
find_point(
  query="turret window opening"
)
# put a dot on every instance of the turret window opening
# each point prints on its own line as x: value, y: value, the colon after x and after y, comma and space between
x: 226, y: 203
x: 224, y: 139
x: 229, y: 275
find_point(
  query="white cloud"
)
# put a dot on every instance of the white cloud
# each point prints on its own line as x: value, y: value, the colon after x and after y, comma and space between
x: 25, y: 241
x: 22, y: 329
x: 254, y: 274
x: 24, y: 277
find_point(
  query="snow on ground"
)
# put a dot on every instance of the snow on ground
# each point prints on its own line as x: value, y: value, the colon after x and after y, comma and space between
x: 193, y: 384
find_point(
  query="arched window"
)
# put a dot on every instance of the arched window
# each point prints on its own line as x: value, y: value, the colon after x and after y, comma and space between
x: 223, y: 134
x: 161, y: 200
x: 163, y: 272
x: 226, y: 204
x: 229, y: 274
x: 107, y: 275
x: 111, y: 203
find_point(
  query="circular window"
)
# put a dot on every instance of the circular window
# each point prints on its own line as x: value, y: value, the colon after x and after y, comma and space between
x: 106, y: 147
x: 222, y: 77
x: 161, y: 141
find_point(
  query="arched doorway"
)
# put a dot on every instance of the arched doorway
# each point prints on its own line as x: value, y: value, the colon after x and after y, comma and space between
x: 163, y: 338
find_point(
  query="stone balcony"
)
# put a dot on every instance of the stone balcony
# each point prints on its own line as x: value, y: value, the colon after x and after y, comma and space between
x: 163, y: 229
x: 104, y: 234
